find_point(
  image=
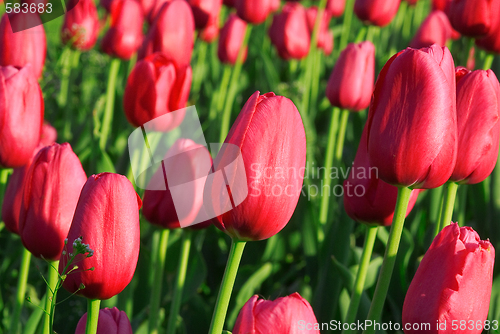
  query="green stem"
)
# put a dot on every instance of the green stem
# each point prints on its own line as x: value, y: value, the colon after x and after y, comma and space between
x: 110, y: 103
x: 462, y: 203
x: 346, y: 25
x: 62, y: 98
x: 359, y: 283
x: 226, y: 288
x: 222, y: 93
x: 4, y: 177
x: 327, y: 181
x: 435, y: 205
x: 448, y: 204
x: 179, y: 281
x: 21, y: 291
x: 226, y: 116
x: 391, y: 252
x: 158, y: 279
x: 341, y: 136
x: 488, y: 61
x: 92, y: 315
x: 314, y: 62
x: 52, y: 280
x: 200, y: 67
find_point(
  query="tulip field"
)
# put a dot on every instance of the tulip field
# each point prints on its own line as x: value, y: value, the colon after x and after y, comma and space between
x: 249, y: 166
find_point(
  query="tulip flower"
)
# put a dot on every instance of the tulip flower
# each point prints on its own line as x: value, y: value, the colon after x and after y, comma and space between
x: 441, y: 5
x: 254, y: 11
x: 478, y: 123
x: 229, y: 3
x: 24, y: 45
x: 412, y: 131
x: 335, y: 8
x: 125, y: 33
x: 289, y: 32
x: 172, y: 33
x: 81, y: 25
x: 107, y: 219
x: 231, y: 39
x: 456, y: 271
x: 474, y: 18
x: 263, y: 120
x: 151, y: 8
x: 21, y: 115
x: 376, y: 12
x: 491, y: 41
x: 435, y: 29
x: 51, y: 190
x: 111, y: 321
x: 325, y: 37
x: 351, y: 82
x: 211, y: 31
x: 156, y: 87
x: 205, y: 11
x: 285, y: 315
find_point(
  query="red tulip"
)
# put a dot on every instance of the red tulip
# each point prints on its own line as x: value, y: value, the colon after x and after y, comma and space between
x: 335, y: 8
x: 273, y: 176
x: 452, y: 283
x: 154, y: 88
x: 290, y: 314
x: 474, y: 17
x: 441, y: 5
x: 125, y: 33
x: 185, y: 160
x: 376, y: 12
x: 289, y: 32
x: 21, y: 115
x: 48, y: 135
x: 211, y: 31
x: 491, y: 42
x: 229, y: 3
x: 412, y: 131
x: 151, y: 8
x: 351, y: 83
x: 231, y: 39
x: 478, y: 103
x: 205, y: 11
x: 51, y: 190
x: 81, y: 25
x: 111, y: 321
x: 435, y: 29
x: 107, y: 219
x: 254, y: 11
x: 22, y: 47
x: 325, y: 37
x: 172, y: 33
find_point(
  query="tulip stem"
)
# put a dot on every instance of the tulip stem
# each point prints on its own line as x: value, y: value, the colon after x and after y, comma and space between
x: 448, y: 205
x: 179, y: 281
x: 226, y: 288
x: 359, y: 283
x: 462, y: 203
x: 52, y: 282
x: 21, y: 290
x: 110, y: 103
x: 346, y: 25
x: 226, y: 75
x: 488, y: 61
x: 4, y: 178
x: 327, y: 181
x: 384, y: 278
x: 341, y: 135
x: 314, y: 60
x: 93, y: 306
x: 200, y: 67
x: 233, y: 86
x: 159, y: 268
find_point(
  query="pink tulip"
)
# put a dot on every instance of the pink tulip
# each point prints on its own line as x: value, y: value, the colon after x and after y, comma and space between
x: 231, y: 39
x: 435, y: 29
x: 335, y: 8
x: 254, y: 11
x: 111, y: 321
x: 376, y: 12
x: 474, y: 17
x: 81, y: 25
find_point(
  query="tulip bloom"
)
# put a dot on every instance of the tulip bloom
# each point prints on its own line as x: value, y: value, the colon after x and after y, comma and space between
x: 456, y: 270
x: 474, y: 17
x: 156, y: 87
x: 254, y: 11
x: 273, y: 176
x: 205, y: 11
x: 81, y: 25
x: 285, y: 315
x: 231, y: 39
x: 211, y: 31
x: 289, y: 32
x: 325, y: 37
x: 412, y: 122
x: 335, y: 8
x: 351, y: 83
x: 111, y: 321
x: 491, y: 42
x: 125, y: 33
x: 435, y: 29
x: 478, y: 101
x: 440, y: 5
x: 21, y: 115
x: 24, y: 46
x: 52, y: 187
x: 376, y: 12
x: 172, y: 33
x: 107, y: 219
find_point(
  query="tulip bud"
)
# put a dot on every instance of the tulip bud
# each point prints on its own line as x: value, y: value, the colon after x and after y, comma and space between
x: 111, y: 321
x: 325, y: 37
x: 474, y: 17
x: 154, y: 88
x: 211, y: 31
x: 288, y: 314
x: 254, y: 11
x: 376, y: 12
x: 125, y: 33
x: 23, y: 46
x: 491, y: 41
x: 452, y: 283
x: 351, y: 83
x: 231, y: 39
x: 21, y: 115
x: 151, y: 8
x: 204, y: 11
x: 478, y: 101
x: 273, y: 176
x: 81, y: 25
x: 335, y: 8
x: 412, y: 122
x: 289, y: 32
x: 51, y: 190
x: 435, y: 29
x: 107, y: 219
